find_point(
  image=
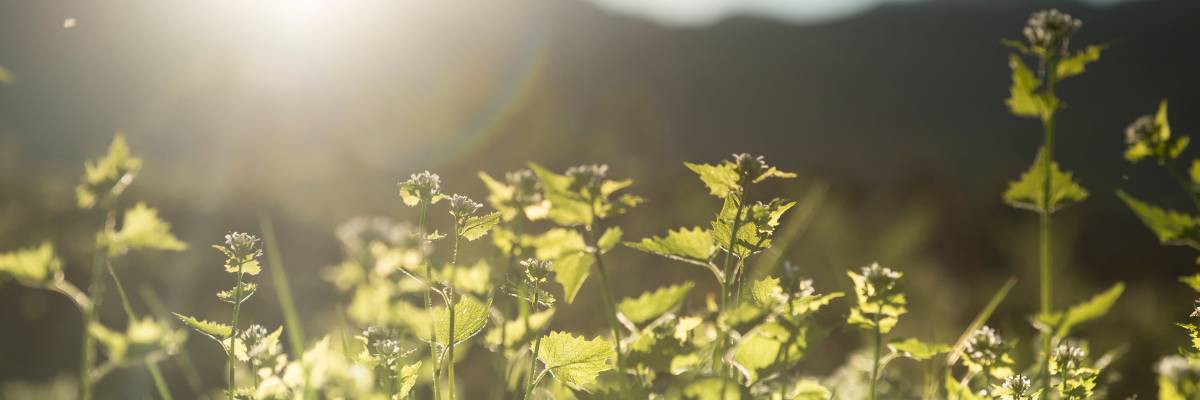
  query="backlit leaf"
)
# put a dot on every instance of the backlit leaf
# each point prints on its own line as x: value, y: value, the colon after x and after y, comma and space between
x: 916, y: 349
x: 478, y: 225
x: 573, y: 359
x: 142, y: 229
x: 651, y: 305
x: 1028, y: 192
x: 1171, y: 227
x: 693, y: 245
x: 35, y: 266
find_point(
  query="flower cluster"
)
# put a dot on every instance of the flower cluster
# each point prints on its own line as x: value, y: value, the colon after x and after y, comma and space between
x: 1016, y: 387
x: 586, y: 177
x: 985, y: 348
x: 262, y: 346
x: 462, y: 206
x: 881, y: 282
x: 527, y: 189
x: 242, y: 246
x: 1049, y: 31
x: 537, y: 271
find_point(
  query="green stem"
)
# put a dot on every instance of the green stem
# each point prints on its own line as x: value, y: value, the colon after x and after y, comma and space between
x: 87, y: 356
x: 878, y: 350
x: 1184, y: 182
x: 609, y: 305
x: 537, y: 344
x: 433, y: 357
x: 237, y: 308
x: 722, y: 336
x: 1047, y: 304
x: 160, y: 384
x: 291, y: 319
x: 450, y: 309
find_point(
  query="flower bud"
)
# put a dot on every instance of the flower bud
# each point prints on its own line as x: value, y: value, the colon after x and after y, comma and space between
x: 985, y: 347
x: 586, y: 177
x: 462, y: 206
x: 425, y: 184
x: 1049, y: 31
x: 749, y: 167
x: 537, y: 271
x: 242, y: 245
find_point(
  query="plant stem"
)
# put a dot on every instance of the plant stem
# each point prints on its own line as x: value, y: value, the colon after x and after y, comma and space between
x: 450, y: 309
x: 537, y: 344
x: 609, y: 305
x: 160, y: 384
x: 87, y: 356
x: 291, y: 319
x: 722, y: 336
x: 237, y: 308
x: 878, y: 349
x: 1047, y: 304
x: 1184, y: 182
x: 433, y: 357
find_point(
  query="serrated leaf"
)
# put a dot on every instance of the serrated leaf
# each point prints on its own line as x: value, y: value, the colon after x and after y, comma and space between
x: 473, y: 279
x: 1095, y: 307
x: 500, y: 196
x: 721, y: 179
x: 651, y: 305
x: 916, y: 349
x: 34, y: 266
x: 769, y: 348
x: 470, y: 317
x: 107, y: 177
x: 478, y: 225
x: 566, y: 208
x: 609, y: 239
x: 408, y: 379
x: 693, y: 245
x: 1024, y: 98
x: 214, y: 330
x: 515, y: 334
x: 571, y: 271
x: 755, y: 225
x: 766, y: 292
x: 141, y: 229
x: 248, y: 267
x: 558, y: 242
x: 1171, y: 227
x: 1074, y: 64
x: 1028, y: 192
x: 574, y: 360
x: 231, y: 295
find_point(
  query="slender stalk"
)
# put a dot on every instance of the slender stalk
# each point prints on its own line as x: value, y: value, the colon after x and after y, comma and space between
x: 160, y: 384
x: 609, y: 305
x: 237, y: 308
x: 537, y: 344
x: 450, y: 309
x: 1047, y: 304
x: 291, y: 319
x: 878, y: 349
x: 87, y: 352
x: 433, y: 357
x: 1183, y: 181
x: 722, y: 336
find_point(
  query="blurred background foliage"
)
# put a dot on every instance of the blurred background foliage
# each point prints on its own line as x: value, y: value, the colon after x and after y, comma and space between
x: 309, y: 112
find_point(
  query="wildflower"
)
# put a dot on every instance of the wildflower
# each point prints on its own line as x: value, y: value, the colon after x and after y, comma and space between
x: 261, y: 345
x: 1142, y: 130
x: 537, y: 271
x: 1017, y: 387
x: 749, y: 167
x: 425, y: 187
x: 381, y: 344
x: 462, y: 206
x: 527, y: 189
x: 586, y: 177
x: 242, y: 244
x: 985, y: 347
x: 881, y: 282
x: 1049, y: 31
x: 1196, y: 311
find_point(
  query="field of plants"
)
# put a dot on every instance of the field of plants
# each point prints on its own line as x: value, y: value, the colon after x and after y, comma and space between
x: 477, y: 284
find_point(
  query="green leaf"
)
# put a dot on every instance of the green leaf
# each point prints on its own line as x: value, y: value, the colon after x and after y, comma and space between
x: 809, y: 389
x: 917, y: 350
x: 574, y: 360
x: 766, y: 292
x: 408, y: 379
x: 566, y: 208
x: 500, y: 196
x: 1171, y: 227
x: 1061, y: 323
x: 473, y: 279
x: 248, y: 267
x: 651, y: 305
x: 1074, y: 64
x: 515, y: 334
x: 1193, y: 281
x: 231, y: 295
x: 756, y: 225
x: 142, y: 229
x: 1023, y: 99
x: 35, y: 266
x: 721, y: 179
x: 609, y: 239
x: 558, y: 242
x: 693, y: 245
x: 1028, y: 192
x: 770, y: 348
x: 214, y: 330
x: 106, y: 178
x: 571, y: 271
x: 470, y: 316
x: 478, y: 225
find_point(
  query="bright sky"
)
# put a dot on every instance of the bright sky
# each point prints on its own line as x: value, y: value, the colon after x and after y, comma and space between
x: 701, y: 12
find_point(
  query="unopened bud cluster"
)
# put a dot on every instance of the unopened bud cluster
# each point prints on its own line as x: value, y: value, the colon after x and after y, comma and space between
x: 881, y: 282
x: 1049, y: 32
x: 537, y: 271
x: 426, y: 185
x: 527, y: 189
x: 587, y: 177
x: 985, y: 347
x: 462, y: 206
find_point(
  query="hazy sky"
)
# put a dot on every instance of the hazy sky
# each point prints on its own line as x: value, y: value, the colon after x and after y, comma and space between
x: 701, y: 12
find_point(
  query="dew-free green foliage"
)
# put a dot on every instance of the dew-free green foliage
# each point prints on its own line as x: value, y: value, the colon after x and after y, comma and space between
x: 420, y: 298
x: 575, y: 360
